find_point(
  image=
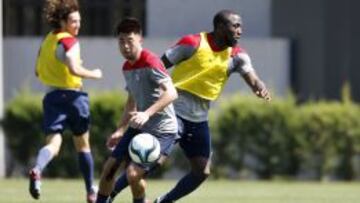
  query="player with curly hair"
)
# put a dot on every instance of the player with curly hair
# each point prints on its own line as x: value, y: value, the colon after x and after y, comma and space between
x: 59, y: 67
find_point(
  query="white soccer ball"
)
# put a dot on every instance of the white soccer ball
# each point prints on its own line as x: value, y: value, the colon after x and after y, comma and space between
x: 144, y: 149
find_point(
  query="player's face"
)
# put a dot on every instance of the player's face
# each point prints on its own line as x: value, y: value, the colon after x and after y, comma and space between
x: 232, y: 30
x: 72, y: 24
x: 130, y: 45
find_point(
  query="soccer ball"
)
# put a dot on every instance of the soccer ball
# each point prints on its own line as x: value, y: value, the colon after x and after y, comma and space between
x: 144, y: 149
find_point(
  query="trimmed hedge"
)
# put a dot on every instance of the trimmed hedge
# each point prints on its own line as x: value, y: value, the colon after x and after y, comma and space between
x: 251, y: 138
x: 313, y: 140
x: 256, y: 136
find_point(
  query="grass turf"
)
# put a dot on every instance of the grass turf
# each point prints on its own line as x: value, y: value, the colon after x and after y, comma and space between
x: 60, y: 190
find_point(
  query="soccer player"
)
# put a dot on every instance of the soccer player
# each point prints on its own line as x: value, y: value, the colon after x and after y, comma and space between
x: 59, y: 67
x: 203, y: 63
x: 148, y: 109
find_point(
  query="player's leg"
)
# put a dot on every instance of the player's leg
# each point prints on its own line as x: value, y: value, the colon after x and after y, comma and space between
x: 86, y: 164
x: 107, y: 179
x: 45, y: 155
x: 200, y: 170
x: 137, y: 184
x: 196, y: 144
x: 167, y: 142
x: 118, y: 156
x: 120, y: 184
x: 49, y: 151
x: 122, y: 181
x: 78, y: 111
x: 53, y: 126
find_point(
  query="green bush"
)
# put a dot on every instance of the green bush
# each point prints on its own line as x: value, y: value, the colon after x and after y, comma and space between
x: 250, y: 137
x: 314, y: 140
x: 22, y: 127
x: 256, y: 135
x: 327, y: 134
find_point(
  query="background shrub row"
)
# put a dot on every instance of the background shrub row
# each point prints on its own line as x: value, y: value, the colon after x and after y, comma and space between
x: 251, y: 138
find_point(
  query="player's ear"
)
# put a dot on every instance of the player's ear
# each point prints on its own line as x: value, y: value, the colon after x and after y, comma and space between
x: 62, y: 24
x: 222, y: 25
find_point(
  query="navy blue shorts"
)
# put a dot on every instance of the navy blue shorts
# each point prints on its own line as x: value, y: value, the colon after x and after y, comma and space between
x: 66, y: 108
x: 195, y: 138
x: 121, y: 153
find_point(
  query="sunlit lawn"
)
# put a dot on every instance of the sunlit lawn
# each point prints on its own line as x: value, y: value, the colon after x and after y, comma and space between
x: 59, y: 190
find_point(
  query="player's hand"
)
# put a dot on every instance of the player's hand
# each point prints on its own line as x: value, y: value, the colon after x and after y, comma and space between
x: 264, y: 93
x: 97, y: 73
x: 261, y: 91
x: 114, y: 139
x: 138, y: 119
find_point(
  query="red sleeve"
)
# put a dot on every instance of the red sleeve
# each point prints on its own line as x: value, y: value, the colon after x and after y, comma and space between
x: 68, y: 42
x: 146, y: 60
x: 236, y: 50
x: 154, y: 62
x: 190, y: 40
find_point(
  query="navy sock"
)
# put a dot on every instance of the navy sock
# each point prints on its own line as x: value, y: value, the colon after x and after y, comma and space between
x: 141, y: 200
x: 101, y: 198
x: 120, y: 184
x: 185, y: 186
x: 86, y: 164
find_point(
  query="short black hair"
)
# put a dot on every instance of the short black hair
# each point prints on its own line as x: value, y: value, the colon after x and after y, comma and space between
x: 128, y: 25
x: 221, y: 17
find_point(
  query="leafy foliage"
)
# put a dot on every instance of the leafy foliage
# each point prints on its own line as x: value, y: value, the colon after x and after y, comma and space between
x: 314, y: 140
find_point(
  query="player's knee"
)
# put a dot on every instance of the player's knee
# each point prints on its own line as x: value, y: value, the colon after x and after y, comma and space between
x: 54, y: 148
x: 201, y: 173
x: 133, y: 175
x: 142, y: 183
x: 82, y: 143
x: 206, y: 174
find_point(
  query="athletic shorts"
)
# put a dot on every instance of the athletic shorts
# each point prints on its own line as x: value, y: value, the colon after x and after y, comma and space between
x: 195, y: 138
x: 121, y: 153
x: 66, y: 108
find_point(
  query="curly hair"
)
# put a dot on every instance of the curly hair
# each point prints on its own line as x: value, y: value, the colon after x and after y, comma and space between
x: 57, y: 10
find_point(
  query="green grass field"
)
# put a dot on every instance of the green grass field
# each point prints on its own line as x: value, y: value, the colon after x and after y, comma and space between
x: 56, y: 191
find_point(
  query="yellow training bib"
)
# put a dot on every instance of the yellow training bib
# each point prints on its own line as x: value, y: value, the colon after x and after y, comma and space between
x: 205, y: 73
x: 51, y: 71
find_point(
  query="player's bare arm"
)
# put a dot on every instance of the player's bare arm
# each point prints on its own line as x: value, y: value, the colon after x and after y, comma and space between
x: 123, y: 124
x: 138, y: 119
x: 257, y: 86
x: 76, y: 68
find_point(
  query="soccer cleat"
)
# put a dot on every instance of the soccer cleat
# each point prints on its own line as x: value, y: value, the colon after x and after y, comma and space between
x: 35, y: 183
x: 160, y: 200
x: 91, y: 196
x: 157, y: 200
x: 112, y: 197
x: 110, y: 200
